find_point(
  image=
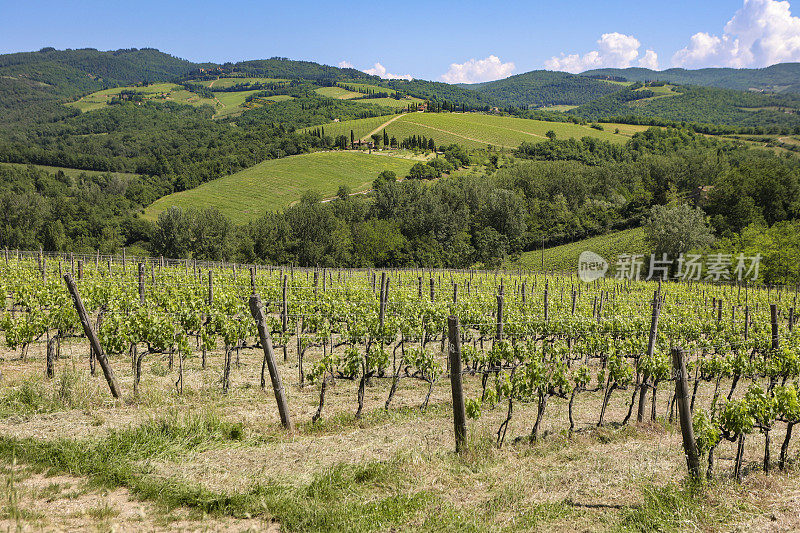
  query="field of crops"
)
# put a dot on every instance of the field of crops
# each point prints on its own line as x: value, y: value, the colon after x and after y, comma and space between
x: 276, y: 183
x: 331, y: 399
x: 564, y: 258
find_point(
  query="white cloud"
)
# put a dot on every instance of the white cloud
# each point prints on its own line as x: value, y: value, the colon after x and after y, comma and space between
x: 478, y: 70
x: 614, y: 50
x: 346, y: 64
x: 761, y: 33
x: 649, y: 60
x: 380, y: 70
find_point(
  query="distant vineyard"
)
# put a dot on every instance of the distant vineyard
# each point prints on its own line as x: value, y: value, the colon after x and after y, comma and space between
x: 564, y: 258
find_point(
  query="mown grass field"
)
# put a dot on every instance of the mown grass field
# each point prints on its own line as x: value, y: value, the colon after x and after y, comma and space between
x: 231, y: 103
x: 72, y: 172
x: 279, y: 97
x: 73, y: 459
x: 366, y: 87
x: 224, y: 103
x: 393, y: 102
x: 275, y: 184
x: 564, y: 258
x: 560, y: 108
x: 360, y: 127
x: 477, y: 130
x: 224, y: 83
x: 337, y: 92
x: 157, y: 92
x: 660, y: 92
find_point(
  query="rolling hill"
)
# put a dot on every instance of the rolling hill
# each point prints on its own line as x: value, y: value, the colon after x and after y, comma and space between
x: 784, y: 77
x: 705, y: 105
x: 275, y: 184
x: 541, y: 88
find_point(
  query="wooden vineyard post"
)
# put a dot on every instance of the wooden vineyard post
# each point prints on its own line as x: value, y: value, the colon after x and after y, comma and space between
x: 95, y: 342
x: 285, y: 319
x: 651, y: 346
x: 51, y: 356
x: 141, y: 283
x: 269, y: 356
x: 746, y: 322
x: 459, y: 411
x: 546, y: 300
x: 499, y: 332
x: 253, y: 279
x: 773, y: 311
x: 210, y: 288
x: 685, y: 413
x: 382, y: 304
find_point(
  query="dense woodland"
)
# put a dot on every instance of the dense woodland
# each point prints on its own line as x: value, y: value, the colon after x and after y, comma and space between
x: 499, y: 205
x: 544, y: 88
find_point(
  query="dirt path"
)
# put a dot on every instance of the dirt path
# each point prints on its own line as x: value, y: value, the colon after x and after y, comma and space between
x: 379, y: 128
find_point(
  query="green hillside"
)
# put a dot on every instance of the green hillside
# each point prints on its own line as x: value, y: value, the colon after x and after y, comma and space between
x: 784, y: 77
x: 565, y: 257
x: 705, y: 105
x: 275, y: 184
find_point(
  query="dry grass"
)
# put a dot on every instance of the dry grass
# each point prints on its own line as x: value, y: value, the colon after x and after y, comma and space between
x: 602, y: 479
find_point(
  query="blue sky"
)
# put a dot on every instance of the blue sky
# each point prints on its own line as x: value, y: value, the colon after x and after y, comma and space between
x: 423, y: 39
